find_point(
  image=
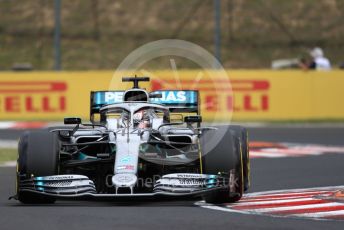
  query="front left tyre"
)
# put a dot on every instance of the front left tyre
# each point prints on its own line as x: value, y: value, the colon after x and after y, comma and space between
x: 38, y: 155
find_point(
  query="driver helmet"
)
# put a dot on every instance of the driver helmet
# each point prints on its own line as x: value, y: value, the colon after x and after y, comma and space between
x: 141, y: 119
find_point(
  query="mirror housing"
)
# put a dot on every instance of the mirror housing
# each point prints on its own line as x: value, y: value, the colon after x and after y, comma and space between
x: 65, y: 134
x: 193, y: 119
x: 72, y: 120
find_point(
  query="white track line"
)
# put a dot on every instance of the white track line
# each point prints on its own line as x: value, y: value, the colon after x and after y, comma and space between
x: 298, y: 207
x: 6, y: 124
x: 250, y: 201
x: 295, y: 191
x: 8, y: 144
x: 8, y: 164
x: 277, y: 202
x: 281, y: 193
x: 266, y: 154
x: 321, y: 214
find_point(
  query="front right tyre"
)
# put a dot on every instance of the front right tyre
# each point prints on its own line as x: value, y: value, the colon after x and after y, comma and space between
x: 242, y: 134
x: 225, y: 159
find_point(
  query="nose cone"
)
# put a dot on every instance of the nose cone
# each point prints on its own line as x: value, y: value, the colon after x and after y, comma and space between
x: 124, y: 180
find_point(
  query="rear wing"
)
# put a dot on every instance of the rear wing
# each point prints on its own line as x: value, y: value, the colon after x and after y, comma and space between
x: 177, y: 101
x: 180, y: 101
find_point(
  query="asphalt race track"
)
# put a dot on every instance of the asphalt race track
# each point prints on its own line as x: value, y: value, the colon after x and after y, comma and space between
x: 267, y: 174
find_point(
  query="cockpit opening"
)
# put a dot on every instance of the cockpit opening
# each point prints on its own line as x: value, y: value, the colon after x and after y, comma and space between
x: 136, y: 95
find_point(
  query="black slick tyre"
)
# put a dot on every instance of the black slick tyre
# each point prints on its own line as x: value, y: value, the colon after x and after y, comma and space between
x: 241, y: 133
x: 37, y: 156
x: 225, y: 159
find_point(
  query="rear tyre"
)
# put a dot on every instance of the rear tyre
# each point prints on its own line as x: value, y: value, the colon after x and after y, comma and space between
x: 37, y: 156
x: 241, y: 133
x: 224, y: 159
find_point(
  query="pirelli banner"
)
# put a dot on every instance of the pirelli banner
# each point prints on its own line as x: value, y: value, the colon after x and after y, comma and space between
x: 255, y: 95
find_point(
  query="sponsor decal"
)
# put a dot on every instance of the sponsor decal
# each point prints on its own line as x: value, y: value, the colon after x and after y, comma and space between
x: 188, y: 179
x: 250, y: 95
x: 125, y: 160
x: 182, y: 182
x: 113, y: 97
x: 191, y: 181
x: 126, y: 167
x: 60, y: 177
x: 175, y: 97
x: 168, y: 97
x: 188, y: 175
x: 257, y: 95
x: 32, y: 97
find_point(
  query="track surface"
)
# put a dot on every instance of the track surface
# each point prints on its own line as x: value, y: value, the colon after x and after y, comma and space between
x: 267, y: 174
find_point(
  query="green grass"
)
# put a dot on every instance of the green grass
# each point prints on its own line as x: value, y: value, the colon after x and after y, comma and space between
x: 7, y: 154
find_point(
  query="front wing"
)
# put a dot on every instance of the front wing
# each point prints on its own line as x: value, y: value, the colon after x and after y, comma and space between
x: 81, y: 187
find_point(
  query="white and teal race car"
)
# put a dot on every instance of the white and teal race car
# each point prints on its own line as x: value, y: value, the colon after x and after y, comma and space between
x: 137, y: 144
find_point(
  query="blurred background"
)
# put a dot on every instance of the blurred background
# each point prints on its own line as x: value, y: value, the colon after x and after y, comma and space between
x: 254, y: 41
x: 98, y: 34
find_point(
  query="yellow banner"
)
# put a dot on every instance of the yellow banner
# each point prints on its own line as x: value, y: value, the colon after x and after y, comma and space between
x: 250, y: 96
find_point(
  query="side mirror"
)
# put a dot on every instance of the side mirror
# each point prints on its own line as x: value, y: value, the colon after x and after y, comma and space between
x: 193, y: 119
x: 72, y: 121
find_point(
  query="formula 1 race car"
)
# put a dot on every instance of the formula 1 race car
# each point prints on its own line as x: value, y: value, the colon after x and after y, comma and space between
x: 137, y: 144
